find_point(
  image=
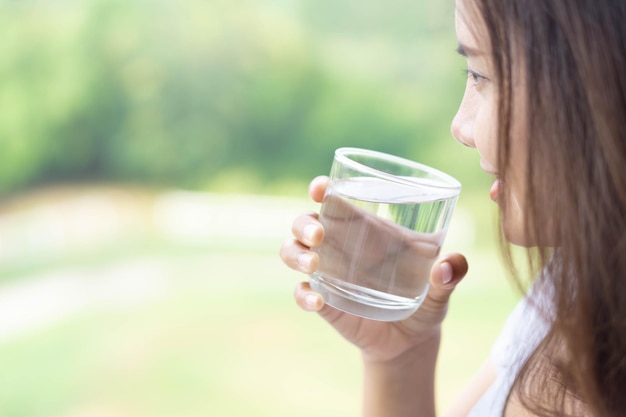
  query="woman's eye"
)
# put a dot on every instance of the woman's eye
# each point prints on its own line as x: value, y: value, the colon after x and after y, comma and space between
x: 476, y: 77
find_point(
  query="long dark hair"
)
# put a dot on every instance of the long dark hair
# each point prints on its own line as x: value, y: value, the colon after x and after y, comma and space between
x: 573, y: 57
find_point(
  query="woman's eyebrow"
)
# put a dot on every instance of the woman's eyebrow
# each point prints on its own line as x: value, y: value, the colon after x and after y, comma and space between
x: 467, y: 51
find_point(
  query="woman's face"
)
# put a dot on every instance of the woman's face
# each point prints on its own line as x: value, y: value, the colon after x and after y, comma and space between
x: 475, y: 124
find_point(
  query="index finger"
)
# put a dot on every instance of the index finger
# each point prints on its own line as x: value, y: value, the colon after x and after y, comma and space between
x: 317, y: 188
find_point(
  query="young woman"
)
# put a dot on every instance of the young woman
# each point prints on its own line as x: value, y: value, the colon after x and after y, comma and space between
x: 545, y: 107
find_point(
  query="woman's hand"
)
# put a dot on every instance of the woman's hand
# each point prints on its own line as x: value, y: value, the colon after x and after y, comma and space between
x: 378, y: 341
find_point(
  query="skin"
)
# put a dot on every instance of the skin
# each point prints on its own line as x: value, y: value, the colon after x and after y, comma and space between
x: 399, y: 357
x: 475, y: 122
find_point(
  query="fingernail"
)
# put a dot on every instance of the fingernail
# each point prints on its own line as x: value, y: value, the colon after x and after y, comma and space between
x: 311, y: 301
x: 304, y: 259
x: 309, y: 232
x: 446, y: 273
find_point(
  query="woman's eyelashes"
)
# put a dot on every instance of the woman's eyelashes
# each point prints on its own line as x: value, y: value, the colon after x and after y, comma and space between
x: 476, y: 77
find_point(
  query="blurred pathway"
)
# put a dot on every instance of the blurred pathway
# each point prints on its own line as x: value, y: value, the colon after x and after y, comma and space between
x: 62, y: 221
x: 51, y: 296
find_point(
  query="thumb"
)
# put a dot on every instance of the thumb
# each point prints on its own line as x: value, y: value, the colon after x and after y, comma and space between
x: 445, y: 274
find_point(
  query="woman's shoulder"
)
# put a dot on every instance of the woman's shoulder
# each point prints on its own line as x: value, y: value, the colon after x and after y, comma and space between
x: 526, y: 326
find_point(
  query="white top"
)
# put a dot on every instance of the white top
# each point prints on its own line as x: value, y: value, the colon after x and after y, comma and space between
x: 520, y: 336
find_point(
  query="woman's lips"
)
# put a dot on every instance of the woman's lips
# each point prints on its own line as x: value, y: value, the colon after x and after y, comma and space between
x: 497, y: 184
x: 495, y: 189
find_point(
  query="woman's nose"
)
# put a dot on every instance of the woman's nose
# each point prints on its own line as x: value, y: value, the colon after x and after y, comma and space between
x: 463, y: 128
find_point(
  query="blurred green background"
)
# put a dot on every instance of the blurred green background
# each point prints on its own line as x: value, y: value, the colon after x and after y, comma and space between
x: 154, y: 154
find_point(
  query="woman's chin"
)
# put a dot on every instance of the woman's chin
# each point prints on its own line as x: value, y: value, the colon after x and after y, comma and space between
x: 514, y: 234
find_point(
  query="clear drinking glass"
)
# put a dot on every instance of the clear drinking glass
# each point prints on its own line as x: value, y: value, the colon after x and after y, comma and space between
x: 385, y: 219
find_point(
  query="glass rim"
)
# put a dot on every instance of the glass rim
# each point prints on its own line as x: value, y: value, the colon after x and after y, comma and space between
x: 447, y: 181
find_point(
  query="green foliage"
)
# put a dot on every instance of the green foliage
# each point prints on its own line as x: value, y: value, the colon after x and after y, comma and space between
x: 191, y: 93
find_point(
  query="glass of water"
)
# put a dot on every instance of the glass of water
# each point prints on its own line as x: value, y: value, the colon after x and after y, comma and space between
x: 385, y: 219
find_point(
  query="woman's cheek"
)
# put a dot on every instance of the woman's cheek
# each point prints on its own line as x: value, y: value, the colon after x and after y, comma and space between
x: 485, y: 132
